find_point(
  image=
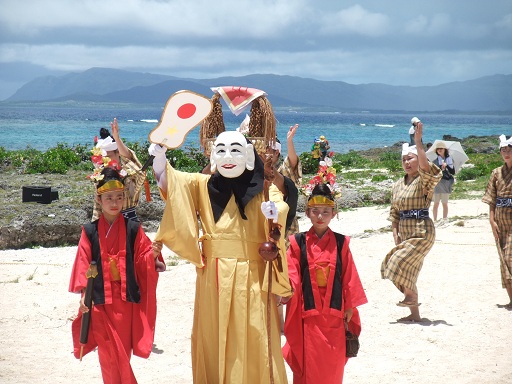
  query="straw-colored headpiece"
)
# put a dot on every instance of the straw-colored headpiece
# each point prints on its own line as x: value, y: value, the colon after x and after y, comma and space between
x: 262, y: 124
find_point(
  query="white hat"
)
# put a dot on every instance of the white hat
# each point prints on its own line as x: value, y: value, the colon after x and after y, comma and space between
x: 406, y: 149
x: 107, y: 144
x: 504, y: 142
x: 414, y: 120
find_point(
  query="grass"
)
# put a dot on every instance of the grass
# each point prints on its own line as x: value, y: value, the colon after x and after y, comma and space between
x: 173, y: 261
x: 31, y: 276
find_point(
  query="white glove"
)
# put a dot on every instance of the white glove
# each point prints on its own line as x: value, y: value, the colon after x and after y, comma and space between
x: 269, y: 209
x: 157, y: 150
x: 160, y: 161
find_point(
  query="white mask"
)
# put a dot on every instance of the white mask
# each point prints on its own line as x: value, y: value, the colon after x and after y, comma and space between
x: 231, y: 154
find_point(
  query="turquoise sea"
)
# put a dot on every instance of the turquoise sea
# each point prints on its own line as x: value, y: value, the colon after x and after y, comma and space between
x: 44, y: 126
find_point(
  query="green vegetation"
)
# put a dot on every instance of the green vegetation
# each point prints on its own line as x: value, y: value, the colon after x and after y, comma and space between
x: 62, y: 158
x: 354, y: 169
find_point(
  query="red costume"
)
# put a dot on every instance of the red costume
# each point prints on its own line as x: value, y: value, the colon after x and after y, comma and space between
x: 124, y: 295
x: 324, y: 284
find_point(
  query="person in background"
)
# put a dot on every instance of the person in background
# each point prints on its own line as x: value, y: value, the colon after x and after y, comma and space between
x: 498, y: 195
x: 124, y: 291
x: 413, y: 230
x: 112, y: 147
x: 327, y: 290
x: 289, y: 175
x: 315, y: 150
x: 324, y: 147
x: 445, y: 185
x: 412, y: 130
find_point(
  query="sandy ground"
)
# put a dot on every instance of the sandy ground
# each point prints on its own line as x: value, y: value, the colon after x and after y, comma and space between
x: 466, y: 336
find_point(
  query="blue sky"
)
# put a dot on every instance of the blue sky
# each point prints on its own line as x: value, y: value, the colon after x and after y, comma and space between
x: 393, y: 42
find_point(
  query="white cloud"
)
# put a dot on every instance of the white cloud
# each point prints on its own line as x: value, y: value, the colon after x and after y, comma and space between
x: 171, y: 18
x: 356, y: 20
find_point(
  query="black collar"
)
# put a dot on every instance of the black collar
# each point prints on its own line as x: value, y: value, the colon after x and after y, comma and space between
x: 244, y: 187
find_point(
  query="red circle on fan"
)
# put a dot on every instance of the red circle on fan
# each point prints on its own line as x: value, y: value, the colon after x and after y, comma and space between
x: 186, y: 111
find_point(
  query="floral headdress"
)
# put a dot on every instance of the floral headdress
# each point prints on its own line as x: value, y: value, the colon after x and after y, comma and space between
x: 101, y: 161
x: 326, y: 175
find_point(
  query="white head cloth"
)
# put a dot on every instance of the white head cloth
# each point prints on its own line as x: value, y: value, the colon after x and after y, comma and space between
x: 504, y: 142
x: 244, y: 125
x: 106, y: 145
x: 406, y: 149
x: 413, y: 128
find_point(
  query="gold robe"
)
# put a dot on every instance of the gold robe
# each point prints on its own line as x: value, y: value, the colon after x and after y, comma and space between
x: 229, y: 335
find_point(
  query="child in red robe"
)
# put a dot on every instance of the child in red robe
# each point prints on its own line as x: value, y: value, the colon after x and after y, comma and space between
x: 327, y: 290
x: 123, y: 313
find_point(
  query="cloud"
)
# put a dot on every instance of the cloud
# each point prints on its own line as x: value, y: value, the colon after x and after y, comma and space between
x: 354, y: 20
x: 393, y: 42
x: 163, y: 18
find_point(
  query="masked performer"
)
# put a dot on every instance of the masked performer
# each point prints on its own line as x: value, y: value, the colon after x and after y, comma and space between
x: 229, y: 335
x: 124, y: 291
x: 413, y: 230
x: 327, y: 290
x: 110, y: 149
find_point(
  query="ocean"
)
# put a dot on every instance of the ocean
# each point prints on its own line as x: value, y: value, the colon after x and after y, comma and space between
x: 44, y: 126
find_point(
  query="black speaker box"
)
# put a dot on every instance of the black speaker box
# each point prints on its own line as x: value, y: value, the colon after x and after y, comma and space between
x: 43, y: 195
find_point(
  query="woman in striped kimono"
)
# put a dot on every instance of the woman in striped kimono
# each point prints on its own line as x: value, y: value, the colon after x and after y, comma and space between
x: 499, y: 197
x: 413, y: 229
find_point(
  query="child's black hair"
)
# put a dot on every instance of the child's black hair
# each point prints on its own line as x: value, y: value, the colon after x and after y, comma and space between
x: 322, y: 190
x: 109, y: 174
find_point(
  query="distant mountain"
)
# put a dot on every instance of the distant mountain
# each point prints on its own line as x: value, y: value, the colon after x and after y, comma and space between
x: 486, y: 94
x: 94, y: 81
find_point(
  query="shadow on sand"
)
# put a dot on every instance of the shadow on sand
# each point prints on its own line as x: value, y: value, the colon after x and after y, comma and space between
x: 424, y: 321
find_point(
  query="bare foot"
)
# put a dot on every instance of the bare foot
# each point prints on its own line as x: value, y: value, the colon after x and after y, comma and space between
x: 409, y: 319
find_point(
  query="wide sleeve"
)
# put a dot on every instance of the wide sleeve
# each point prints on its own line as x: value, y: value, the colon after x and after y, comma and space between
x: 491, y: 190
x: 179, y: 227
x: 430, y: 179
x: 394, y: 212
x: 83, y: 258
x: 353, y: 292
x: 295, y: 174
x: 293, y: 350
x: 144, y: 314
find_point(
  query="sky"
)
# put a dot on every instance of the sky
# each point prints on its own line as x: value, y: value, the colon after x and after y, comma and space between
x: 395, y: 42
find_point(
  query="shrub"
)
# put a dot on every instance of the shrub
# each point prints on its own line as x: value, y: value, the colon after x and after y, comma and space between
x: 392, y: 161
x: 180, y: 160
x: 468, y: 174
x: 309, y: 164
x: 54, y: 160
x: 351, y: 159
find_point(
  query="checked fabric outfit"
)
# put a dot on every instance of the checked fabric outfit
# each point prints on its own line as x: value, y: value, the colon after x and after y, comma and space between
x: 403, y: 263
x: 498, y: 193
x: 295, y: 175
